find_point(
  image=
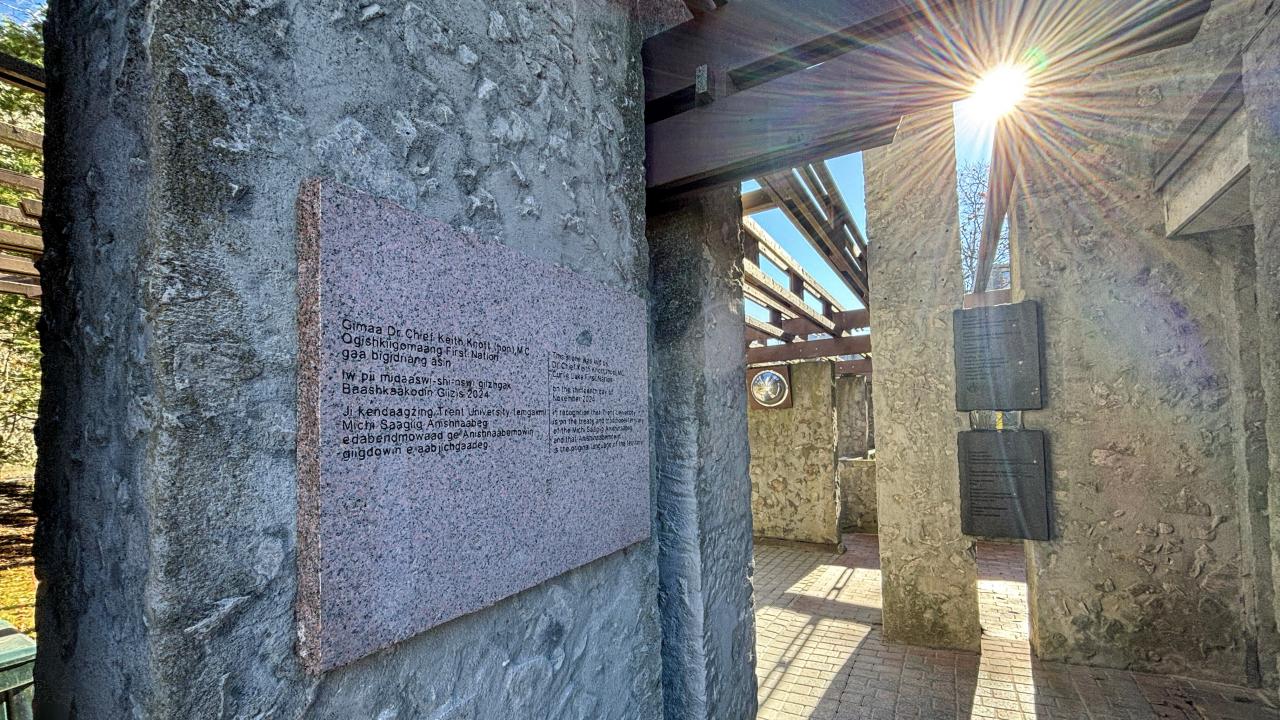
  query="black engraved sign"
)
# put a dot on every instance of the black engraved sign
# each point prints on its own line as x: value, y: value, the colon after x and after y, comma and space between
x: 1004, y: 486
x: 997, y: 353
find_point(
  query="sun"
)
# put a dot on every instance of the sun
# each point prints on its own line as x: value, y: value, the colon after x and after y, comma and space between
x: 999, y: 91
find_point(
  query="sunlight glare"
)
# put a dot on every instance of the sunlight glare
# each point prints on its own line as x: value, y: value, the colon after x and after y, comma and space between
x: 999, y: 91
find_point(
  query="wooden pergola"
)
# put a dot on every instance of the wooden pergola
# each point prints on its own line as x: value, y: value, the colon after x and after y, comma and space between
x: 759, y: 89
x: 20, y: 241
x: 806, y: 321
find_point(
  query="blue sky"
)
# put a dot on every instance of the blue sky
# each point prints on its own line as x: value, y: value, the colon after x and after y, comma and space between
x: 20, y: 10
x: 973, y: 144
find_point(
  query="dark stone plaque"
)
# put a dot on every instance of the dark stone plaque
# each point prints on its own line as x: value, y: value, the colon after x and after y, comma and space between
x: 1004, y: 486
x: 998, y: 358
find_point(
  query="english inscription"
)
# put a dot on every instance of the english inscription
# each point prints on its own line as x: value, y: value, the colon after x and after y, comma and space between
x: 997, y: 358
x: 473, y: 423
x: 1004, y: 485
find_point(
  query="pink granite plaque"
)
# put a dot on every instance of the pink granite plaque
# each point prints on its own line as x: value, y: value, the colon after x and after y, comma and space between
x: 472, y: 423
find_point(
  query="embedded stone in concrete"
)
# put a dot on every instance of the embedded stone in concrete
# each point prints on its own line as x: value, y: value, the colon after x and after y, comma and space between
x: 857, y: 495
x: 459, y: 401
x: 930, y: 580
x: 794, y: 492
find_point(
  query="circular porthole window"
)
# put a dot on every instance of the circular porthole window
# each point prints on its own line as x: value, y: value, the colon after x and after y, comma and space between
x: 770, y: 388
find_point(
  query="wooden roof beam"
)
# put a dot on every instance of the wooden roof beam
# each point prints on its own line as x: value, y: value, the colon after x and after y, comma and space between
x: 810, y: 350
x: 768, y: 247
x: 792, y: 197
x: 788, y: 300
x: 18, y: 266
x: 761, y: 331
x: 21, y: 242
x: 21, y: 73
x: 20, y: 139
x: 854, y: 367
x: 31, y: 290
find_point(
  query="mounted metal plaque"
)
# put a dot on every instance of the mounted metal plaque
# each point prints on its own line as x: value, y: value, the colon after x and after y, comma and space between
x: 769, y: 388
x: 1004, y: 486
x: 997, y: 351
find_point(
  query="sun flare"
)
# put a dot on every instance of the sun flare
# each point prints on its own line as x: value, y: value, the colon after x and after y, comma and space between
x: 999, y: 91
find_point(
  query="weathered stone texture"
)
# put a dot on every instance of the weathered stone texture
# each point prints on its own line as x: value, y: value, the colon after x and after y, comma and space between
x: 1145, y: 570
x: 857, y: 495
x: 853, y: 416
x: 1262, y: 108
x: 179, y: 134
x: 928, y: 566
x: 794, y: 492
x: 699, y: 419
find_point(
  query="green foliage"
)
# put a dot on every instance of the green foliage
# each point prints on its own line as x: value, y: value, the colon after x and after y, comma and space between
x: 19, y: 378
x: 19, y: 341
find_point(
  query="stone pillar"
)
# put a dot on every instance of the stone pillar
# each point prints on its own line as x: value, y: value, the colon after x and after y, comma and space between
x: 1262, y: 106
x: 928, y: 565
x: 179, y: 134
x: 853, y: 411
x: 794, y: 491
x: 699, y: 416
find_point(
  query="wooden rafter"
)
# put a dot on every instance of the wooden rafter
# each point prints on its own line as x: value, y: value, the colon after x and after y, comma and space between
x: 801, y: 281
x: 810, y: 350
x: 786, y: 299
x: 865, y: 63
x: 828, y: 234
x: 854, y: 367
x: 18, y: 273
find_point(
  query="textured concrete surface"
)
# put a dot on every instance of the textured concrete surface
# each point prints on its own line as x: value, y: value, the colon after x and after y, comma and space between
x: 854, y: 435
x: 823, y: 655
x: 1262, y: 107
x: 1147, y: 569
x: 179, y: 134
x: 452, y: 433
x: 794, y: 491
x: 916, y: 283
x: 857, y: 495
x: 699, y: 420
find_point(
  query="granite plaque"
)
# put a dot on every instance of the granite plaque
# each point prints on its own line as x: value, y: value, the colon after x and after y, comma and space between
x: 1004, y: 487
x: 473, y: 422
x: 997, y: 358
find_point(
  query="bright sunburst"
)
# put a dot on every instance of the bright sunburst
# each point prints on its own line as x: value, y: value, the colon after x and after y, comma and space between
x: 998, y: 92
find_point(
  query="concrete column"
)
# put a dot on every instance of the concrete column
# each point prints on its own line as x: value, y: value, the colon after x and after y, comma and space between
x: 699, y: 415
x: 1262, y: 107
x: 794, y: 491
x: 853, y: 426
x: 928, y: 565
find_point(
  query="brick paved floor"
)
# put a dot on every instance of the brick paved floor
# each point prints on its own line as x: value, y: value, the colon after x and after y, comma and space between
x: 820, y: 654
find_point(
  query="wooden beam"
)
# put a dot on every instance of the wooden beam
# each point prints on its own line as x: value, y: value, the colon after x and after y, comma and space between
x: 18, y: 266
x: 16, y: 137
x: 854, y: 367
x: 21, y: 182
x: 768, y: 247
x: 767, y: 286
x: 21, y: 73
x: 786, y: 111
x: 31, y: 290
x: 988, y: 298
x: 845, y: 321
x: 758, y: 329
x: 33, y: 208
x: 754, y: 201
x: 758, y: 40
x: 856, y: 345
x: 15, y: 216
x: 839, y: 253
x: 21, y: 242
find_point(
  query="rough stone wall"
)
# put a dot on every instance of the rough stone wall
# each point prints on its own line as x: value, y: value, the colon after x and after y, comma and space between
x: 1146, y: 567
x: 794, y: 492
x: 179, y: 134
x: 699, y: 409
x: 853, y: 416
x: 1262, y: 108
x: 857, y: 495
x: 928, y: 567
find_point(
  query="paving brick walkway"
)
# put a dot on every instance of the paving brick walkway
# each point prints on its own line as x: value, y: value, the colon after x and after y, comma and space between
x: 820, y: 654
